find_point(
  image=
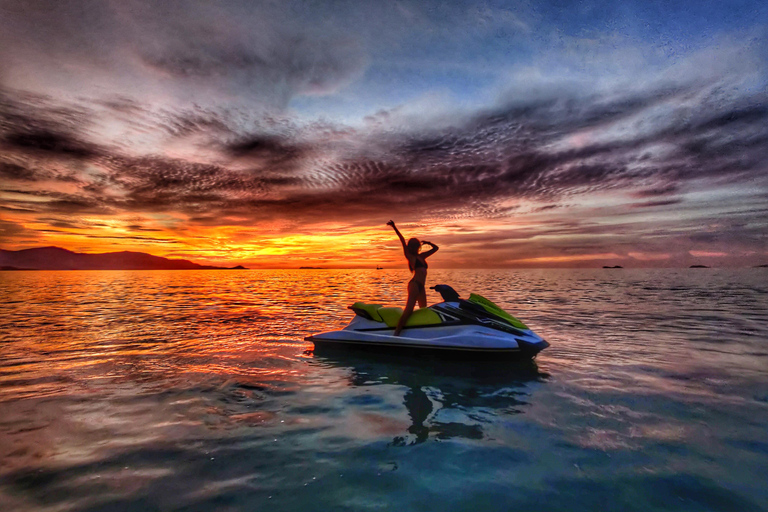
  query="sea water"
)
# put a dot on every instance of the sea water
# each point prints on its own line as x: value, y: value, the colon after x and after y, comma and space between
x: 194, y: 390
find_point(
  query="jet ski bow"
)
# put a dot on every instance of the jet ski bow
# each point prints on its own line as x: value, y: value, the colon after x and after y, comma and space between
x: 475, y: 326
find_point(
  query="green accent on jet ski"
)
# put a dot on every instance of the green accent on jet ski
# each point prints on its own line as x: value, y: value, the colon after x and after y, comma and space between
x: 371, y: 309
x: 391, y: 315
x: 493, y: 309
x: 422, y: 316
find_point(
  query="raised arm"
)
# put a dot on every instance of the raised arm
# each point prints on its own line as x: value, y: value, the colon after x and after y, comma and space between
x: 402, y: 240
x: 430, y: 252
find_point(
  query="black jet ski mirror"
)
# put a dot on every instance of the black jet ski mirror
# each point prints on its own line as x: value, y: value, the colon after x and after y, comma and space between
x: 448, y: 293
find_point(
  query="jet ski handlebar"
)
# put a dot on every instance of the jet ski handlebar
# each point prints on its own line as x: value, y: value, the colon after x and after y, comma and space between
x: 448, y: 293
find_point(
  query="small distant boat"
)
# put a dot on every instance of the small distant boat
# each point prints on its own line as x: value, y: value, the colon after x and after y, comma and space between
x: 379, y: 268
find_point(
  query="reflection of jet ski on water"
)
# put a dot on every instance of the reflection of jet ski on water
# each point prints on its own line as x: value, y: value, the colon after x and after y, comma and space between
x: 444, y: 398
x: 470, y: 327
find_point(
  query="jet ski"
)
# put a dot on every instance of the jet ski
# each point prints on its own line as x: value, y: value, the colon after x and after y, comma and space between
x: 475, y: 326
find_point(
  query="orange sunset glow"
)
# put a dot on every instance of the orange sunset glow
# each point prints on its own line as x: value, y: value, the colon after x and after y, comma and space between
x: 286, y: 147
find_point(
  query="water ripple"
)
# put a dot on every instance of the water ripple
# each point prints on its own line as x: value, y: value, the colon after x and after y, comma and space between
x: 195, y: 390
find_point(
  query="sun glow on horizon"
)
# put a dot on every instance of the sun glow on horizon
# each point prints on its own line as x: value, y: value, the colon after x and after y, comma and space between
x: 534, y: 239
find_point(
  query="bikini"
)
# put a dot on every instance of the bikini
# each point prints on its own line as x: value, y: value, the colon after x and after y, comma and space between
x: 419, y: 263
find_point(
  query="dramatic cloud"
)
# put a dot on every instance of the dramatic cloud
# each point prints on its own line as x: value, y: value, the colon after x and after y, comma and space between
x: 192, y: 49
x: 234, y: 120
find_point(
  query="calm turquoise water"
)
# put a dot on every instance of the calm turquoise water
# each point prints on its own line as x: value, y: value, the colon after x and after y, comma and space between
x: 193, y: 390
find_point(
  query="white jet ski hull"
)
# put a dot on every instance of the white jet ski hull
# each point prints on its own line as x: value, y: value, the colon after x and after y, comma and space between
x: 465, y: 339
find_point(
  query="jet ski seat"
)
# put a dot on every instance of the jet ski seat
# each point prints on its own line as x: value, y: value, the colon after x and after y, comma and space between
x: 391, y: 315
x: 369, y: 311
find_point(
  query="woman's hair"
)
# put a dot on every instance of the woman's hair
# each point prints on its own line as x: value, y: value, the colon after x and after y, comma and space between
x: 413, y: 248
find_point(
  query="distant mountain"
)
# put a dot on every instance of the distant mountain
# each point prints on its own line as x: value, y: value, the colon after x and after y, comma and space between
x: 56, y: 258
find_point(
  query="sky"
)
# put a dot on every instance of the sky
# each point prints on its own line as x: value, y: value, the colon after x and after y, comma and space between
x: 286, y: 134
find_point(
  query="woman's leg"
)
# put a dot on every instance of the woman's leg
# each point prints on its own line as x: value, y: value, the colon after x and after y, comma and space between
x: 413, y: 293
x: 422, y: 296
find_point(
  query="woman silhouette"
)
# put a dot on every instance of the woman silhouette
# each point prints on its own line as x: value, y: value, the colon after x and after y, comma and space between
x: 417, y: 290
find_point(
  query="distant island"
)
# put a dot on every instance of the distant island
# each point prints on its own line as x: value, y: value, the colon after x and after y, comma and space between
x: 698, y: 266
x: 56, y: 258
x: 311, y: 268
x: 615, y: 266
x: 761, y: 266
